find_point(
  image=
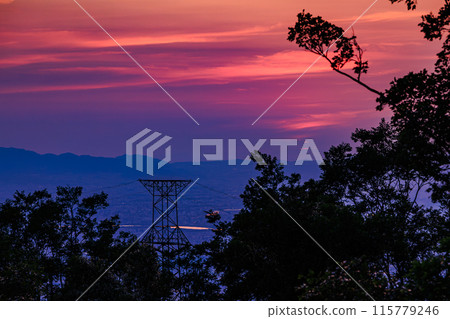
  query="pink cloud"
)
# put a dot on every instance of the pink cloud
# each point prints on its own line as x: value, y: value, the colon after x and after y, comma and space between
x: 319, y: 120
x: 224, y: 60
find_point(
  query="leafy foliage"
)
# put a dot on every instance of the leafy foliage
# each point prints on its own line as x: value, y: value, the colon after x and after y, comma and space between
x: 365, y: 209
x: 316, y: 35
x: 412, y: 4
x: 54, y: 248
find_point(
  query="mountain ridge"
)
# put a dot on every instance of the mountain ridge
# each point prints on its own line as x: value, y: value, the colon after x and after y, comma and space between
x: 218, y: 187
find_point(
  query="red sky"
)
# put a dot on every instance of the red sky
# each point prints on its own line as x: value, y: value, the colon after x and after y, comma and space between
x: 67, y: 87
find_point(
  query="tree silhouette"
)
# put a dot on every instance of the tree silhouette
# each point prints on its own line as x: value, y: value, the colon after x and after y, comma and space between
x: 54, y: 248
x: 365, y: 208
x: 318, y: 36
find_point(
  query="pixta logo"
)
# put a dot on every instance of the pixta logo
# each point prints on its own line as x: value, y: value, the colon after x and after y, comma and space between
x: 146, y: 143
x: 142, y: 146
x: 307, y: 149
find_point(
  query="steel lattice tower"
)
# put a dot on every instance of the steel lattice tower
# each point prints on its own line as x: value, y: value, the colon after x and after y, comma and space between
x: 165, y: 236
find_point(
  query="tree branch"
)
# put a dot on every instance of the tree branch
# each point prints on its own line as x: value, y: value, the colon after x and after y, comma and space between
x: 353, y: 79
x: 359, y: 82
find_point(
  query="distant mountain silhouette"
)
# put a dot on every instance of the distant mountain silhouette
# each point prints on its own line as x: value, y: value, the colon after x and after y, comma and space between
x: 218, y: 187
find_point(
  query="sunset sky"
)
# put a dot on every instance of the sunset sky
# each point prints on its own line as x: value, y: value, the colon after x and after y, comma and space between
x: 67, y: 87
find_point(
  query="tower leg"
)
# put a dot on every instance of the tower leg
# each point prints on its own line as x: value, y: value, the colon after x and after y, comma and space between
x: 165, y: 236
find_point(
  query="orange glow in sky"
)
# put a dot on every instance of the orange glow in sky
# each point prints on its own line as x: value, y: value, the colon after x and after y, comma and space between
x: 224, y: 61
